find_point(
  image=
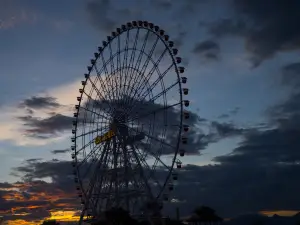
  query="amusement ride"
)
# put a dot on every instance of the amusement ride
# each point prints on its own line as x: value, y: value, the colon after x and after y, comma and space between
x: 129, y: 124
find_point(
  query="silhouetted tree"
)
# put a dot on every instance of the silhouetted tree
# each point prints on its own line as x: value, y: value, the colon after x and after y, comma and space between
x: 50, y: 222
x: 173, y: 222
x: 204, y: 214
x: 119, y: 216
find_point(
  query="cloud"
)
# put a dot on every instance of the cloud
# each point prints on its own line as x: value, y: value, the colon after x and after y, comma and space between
x: 38, y: 102
x: 209, y: 50
x: 60, y: 151
x: 5, y: 185
x: 265, y: 33
x: 260, y: 174
x: 33, y: 160
x: 287, y: 112
x: 42, y: 118
x: 164, y: 127
x: 100, y: 11
x: 232, y: 112
x: 226, y: 129
x: 13, y: 14
x: 265, y: 166
x: 99, y: 14
x: 48, y: 127
x: 290, y: 74
x: 227, y: 27
x: 34, y: 201
x: 163, y: 4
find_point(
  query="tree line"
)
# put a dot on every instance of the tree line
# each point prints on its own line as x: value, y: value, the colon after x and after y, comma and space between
x: 119, y: 216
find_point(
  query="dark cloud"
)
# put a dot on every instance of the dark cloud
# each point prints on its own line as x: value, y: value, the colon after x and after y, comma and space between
x: 224, y: 116
x: 163, y: 4
x: 227, y: 27
x: 268, y: 27
x: 224, y: 130
x: 106, y: 17
x: 209, y: 50
x: 165, y: 124
x: 28, y: 214
x: 179, y: 40
x: 232, y: 112
x: 287, y: 112
x: 34, y: 200
x: 6, y: 185
x: 42, y: 169
x: 33, y: 160
x: 60, y: 151
x: 39, y: 103
x: 291, y: 74
x: 99, y: 14
x: 44, y: 128
x: 260, y: 174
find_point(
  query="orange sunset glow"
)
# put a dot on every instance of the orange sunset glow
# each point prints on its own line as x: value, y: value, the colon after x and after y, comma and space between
x: 280, y: 212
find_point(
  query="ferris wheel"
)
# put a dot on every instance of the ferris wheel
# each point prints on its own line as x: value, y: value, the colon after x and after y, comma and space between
x: 129, y: 123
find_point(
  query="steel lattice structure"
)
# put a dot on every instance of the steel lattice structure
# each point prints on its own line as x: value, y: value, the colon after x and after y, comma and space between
x: 129, y: 123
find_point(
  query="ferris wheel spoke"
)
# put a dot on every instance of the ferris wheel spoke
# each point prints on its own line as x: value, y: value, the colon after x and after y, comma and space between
x: 149, y: 89
x: 157, y: 157
x: 126, y: 49
x: 91, y: 153
x: 92, y: 182
x: 149, y: 75
x: 156, y: 139
x: 103, y: 178
x: 153, y: 98
x: 102, y: 82
x: 93, y: 131
x: 99, y: 164
x: 111, y: 181
x: 144, y: 94
x: 98, y: 114
x: 90, y: 164
x: 148, y: 167
x: 95, y: 87
x: 154, y: 112
x: 112, y: 67
x: 132, y: 170
x: 132, y: 57
x: 108, y: 75
x: 137, y: 66
x: 138, y: 63
x: 144, y: 67
x: 126, y: 164
x: 119, y: 65
x: 85, y: 146
x: 87, y: 194
x: 111, y: 58
x: 142, y: 172
x: 159, y: 94
x: 94, y: 101
x: 115, y: 161
x: 88, y: 170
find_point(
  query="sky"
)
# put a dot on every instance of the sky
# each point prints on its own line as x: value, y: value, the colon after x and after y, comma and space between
x: 242, y: 61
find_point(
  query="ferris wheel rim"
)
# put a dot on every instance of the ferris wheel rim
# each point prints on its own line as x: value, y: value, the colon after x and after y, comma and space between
x: 169, y: 49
